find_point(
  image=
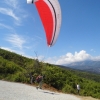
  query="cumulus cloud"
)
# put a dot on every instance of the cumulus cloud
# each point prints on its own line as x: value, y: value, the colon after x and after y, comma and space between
x: 70, y: 58
x: 16, y: 40
x: 77, y: 56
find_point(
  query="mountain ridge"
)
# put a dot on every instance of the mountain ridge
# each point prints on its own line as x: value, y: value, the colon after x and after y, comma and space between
x: 89, y: 65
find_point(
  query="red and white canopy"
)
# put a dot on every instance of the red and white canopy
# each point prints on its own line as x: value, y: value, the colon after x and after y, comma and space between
x: 50, y: 14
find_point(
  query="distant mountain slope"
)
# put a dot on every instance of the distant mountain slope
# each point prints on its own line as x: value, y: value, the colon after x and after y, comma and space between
x: 91, y: 66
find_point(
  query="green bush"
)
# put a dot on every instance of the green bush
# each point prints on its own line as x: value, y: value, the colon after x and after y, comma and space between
x: 68, y: 89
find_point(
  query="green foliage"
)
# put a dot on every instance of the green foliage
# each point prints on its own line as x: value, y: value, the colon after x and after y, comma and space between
x: 19, y: 77
x: 68, y: 89
x: 8, y: 67
x: 54, y: 76
x: 16, y: 58
x: 86, y: 75
x: 14, y: 67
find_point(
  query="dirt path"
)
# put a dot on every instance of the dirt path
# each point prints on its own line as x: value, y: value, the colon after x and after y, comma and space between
x: 18, y: 91
x: 87, y: 98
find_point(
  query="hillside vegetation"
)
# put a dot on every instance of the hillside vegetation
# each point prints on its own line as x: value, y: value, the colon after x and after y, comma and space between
x: 14, y: 67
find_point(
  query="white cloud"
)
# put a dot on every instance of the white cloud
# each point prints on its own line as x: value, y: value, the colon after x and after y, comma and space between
x: 51, y: 60
x: 12, y: 3
x: 12, y: 50
x: 77, y: 56
x: 10, y: 13
x: 8, y: 49
x: 16, y: 40
x: 14, y: 9
x: 6, y: 26
x: 70, y: 58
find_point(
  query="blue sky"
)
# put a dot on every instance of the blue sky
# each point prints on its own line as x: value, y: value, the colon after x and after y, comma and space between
x: 21, y: 31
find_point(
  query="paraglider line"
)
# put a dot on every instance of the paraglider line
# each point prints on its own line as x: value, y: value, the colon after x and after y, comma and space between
x: 47, y: 51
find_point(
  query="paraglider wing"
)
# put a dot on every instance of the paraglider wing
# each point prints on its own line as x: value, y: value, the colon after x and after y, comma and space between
x: 50, y: 14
